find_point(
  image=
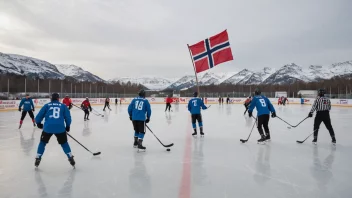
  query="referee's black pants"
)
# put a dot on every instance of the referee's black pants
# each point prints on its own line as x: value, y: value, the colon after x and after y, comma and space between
x: 323, y: 116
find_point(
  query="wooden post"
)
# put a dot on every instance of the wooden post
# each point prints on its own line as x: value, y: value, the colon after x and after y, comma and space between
x: 195, y: 72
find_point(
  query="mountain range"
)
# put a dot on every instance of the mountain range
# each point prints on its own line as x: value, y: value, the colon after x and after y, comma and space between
x: 290, y: 73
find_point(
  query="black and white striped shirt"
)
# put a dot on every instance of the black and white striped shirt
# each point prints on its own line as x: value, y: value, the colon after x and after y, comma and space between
x: 321, y: 104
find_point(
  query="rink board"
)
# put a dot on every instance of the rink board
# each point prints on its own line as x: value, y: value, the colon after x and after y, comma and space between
x: 13, y: 104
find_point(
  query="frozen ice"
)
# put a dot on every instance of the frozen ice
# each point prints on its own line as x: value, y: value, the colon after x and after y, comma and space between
x: 218, y: 165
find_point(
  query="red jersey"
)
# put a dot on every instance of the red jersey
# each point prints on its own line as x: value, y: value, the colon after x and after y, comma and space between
x: 86, y: 104
x: 169, y: 100
x: 67, y: 101
x: 247, y: 101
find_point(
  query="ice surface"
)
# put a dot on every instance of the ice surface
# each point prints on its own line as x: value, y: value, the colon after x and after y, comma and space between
x: 218, y: 165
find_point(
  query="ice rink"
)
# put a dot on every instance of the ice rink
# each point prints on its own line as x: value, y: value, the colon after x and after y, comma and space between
x: 215, y: 166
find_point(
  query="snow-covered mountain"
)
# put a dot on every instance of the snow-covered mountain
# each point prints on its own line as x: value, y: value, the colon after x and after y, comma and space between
x: 257, y: 77
x: 287, y: 74
x: 27, y: 66
x: 78, y: 73
x: 152, y: 83
x: 242, y: 75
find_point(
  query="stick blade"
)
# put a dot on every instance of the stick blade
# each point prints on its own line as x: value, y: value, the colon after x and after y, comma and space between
x: 243, y: 141
x: 97, y: 153
x: 299, y: 142
x: 170, y: 145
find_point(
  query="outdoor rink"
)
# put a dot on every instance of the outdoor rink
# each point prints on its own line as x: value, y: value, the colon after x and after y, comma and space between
x: 215, y: 166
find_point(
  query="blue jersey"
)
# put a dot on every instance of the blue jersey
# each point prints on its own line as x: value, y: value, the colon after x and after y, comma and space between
x: 195, y: 104
x: 262, y: 104
x: 56, y: 115
x: 138, y: 109
x: 27, y: 104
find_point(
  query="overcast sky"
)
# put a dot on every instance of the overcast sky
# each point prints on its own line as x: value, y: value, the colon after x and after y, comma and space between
x: 115, y: 38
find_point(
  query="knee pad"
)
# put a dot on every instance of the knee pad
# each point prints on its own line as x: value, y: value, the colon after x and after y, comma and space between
x: 200, y: 124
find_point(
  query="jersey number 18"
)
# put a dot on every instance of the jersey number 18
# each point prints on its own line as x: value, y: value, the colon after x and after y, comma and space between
x: 139, y: 105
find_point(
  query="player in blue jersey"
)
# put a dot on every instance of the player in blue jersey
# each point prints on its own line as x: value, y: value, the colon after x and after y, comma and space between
x: 264, y: 107
x: 28, y: 107
x: 57, y: 122
x: 194, y: 106
x: 139, y: 111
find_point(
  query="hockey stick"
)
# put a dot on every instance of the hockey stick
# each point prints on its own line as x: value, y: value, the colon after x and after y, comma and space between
x: 97, y: 113
x: 97, y: 153
x: 290, y: 124
x: 91, y: 111
x: 305, y: 139
x: 244, y: 141
x: 169, y: 145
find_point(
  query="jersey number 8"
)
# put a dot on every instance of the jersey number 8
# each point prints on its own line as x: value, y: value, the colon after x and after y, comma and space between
x: 139, y: 105
x: 56, y: 112
x: 262, y: 101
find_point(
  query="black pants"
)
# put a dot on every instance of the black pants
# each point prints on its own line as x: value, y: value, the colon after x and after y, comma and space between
x: 246, y: 106
x: 138, y: 126
x: 196, y: 117
x: 106, y: 105
x: 168, y: 106
x: 24, y: 113
x: 323, y: 116
x: 263, y: 122
x: 61, y: 137
x: 86, y: 113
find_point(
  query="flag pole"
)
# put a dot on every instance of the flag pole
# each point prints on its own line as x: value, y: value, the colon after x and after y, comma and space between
x: 195, y: 72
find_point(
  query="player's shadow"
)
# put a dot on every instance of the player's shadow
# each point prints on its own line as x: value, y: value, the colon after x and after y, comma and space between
x: 322, y: 171
x: 86, y: 129
x: 168, y: 118
x: 27, y: 144
x: 199, y: 173
x: 106, y: 115
x: 262, y: 165
x: 64, y: 191
x: 139, y: 180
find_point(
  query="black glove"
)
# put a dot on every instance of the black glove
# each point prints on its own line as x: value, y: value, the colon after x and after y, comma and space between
x: 19, y: 109
x: 90, y: 110
x: 40, y: 125
x: 273, y: 114
x: 250, y: 114
x: 67, y: 128
x: 310, y: 114
x: 33, y: 110
x: 147, y: 120
x: 131, y: 118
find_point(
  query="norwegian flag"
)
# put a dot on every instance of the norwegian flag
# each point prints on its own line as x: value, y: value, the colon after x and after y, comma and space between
x: 210, y: 52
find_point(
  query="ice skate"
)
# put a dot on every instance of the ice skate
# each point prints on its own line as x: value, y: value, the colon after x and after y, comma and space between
x: 19, y: 126
x: 37, y: 162
x: 333, y: 141
x: 34, y: 124
x: 87, y: 118
x: 194, y: 134
x: 201, y: 132
x: 135, y: 143
x: 262, y: 140
x: 315, y: 140
x: 141, y: 148
x: 72, y: 161
x: 267, y: 138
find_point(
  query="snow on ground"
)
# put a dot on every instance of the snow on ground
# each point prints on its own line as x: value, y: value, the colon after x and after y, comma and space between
x: 217, y: 165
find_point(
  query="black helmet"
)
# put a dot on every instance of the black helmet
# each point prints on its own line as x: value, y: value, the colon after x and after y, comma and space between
x: 321, y: 92
x: 257, y: 91
x: 195, y: 94
x: 55, y: 96
x: 141, y: 93
x: 250, y: 97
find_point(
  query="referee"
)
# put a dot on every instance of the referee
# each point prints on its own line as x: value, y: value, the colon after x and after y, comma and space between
x: 323, y: 106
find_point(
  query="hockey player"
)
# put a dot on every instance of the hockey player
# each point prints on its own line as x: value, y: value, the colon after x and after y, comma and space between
x: 194, y: 106
x: 228, y: 100
x: 115, y: 101
x: 168, y: 103
x: 323, y: 106
x: 139, y: 111
x: 28, y: 107
x: 57, y: 122
x: 68, y: 102
x: 86, y: 108
x: 279, y: 101
x: 264, y: 107
x: 284, y: 100
x: 107, y: 104
x: 246, y: 104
